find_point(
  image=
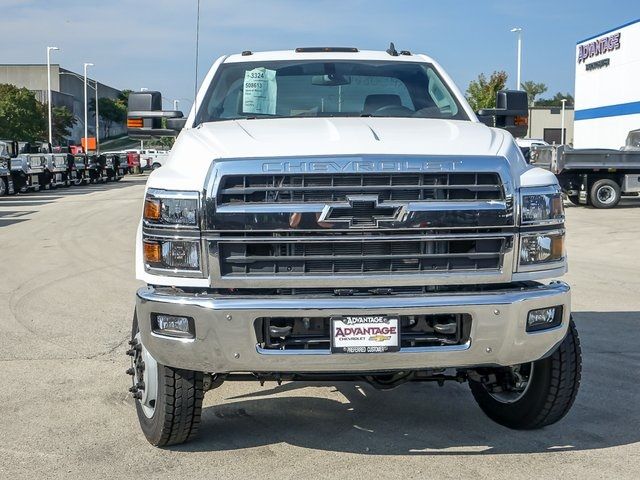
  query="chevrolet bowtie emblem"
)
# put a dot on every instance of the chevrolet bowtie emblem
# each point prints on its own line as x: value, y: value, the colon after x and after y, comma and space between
x: 360, y: 211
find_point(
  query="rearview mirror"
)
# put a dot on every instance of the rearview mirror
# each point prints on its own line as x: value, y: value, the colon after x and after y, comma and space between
x: 146, y: 119
x: 511, y: 112
x: 332, y: 80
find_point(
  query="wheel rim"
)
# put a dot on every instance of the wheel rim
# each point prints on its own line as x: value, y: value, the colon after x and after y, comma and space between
x: 606, y: 194
x: 512, y: 385
x: 145, y: 378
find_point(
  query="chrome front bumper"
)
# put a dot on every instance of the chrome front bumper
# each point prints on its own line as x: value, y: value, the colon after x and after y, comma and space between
x: 226, y: 339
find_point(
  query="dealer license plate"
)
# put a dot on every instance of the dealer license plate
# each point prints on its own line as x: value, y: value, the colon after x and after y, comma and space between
x: 365, y: 334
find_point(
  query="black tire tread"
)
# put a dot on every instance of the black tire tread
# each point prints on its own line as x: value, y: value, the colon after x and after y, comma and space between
x: 550, y: 398
x: 178, y: 406
x: 183, y: 395
x: 566, y: 375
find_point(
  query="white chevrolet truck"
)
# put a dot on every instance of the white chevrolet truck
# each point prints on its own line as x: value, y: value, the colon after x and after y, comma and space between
x: 330, y: 214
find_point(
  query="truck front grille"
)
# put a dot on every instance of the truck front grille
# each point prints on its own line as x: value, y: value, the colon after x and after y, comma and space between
x: 275, y: 189
x: 313, y: 333
x: 385, y: 256
x: 359, y: 221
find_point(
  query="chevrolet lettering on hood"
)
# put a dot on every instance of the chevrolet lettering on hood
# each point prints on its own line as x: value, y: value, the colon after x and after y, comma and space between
x: 356, y: 166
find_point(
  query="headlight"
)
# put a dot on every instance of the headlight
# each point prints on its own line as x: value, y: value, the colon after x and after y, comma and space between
x: 172, y: 254
x: 167, y: 208
x: 541, y: 248
x: 540, y: 207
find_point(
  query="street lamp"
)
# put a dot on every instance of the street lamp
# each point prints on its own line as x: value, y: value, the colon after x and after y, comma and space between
x: 518, y: 30
x: 97, y: 119
x: 564, y: 100
x: 49, y: 90
x: 86, y: 134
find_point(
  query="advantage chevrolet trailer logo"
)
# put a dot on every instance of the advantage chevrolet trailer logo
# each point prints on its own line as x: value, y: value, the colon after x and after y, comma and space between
x: 360, y: 211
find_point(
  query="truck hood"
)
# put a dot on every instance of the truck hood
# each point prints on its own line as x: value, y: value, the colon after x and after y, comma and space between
x: 196, y: 148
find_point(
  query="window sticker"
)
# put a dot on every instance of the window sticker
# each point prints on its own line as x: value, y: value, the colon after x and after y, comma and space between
x: 260, y: 91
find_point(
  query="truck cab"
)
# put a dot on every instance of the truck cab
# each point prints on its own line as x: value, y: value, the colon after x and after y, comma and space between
x: 6, y: 182
x: 114, y: 166
x: 333, y: 214
x: 78, y: 163
x: 58, y: 170
x: 28, y: 171
x: 96, y: 168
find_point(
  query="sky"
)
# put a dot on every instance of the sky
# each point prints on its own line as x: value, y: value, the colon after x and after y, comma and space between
x: 151, y: 43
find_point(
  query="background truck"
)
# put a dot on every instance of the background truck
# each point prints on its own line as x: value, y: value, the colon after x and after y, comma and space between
x: 593, y: 176
x: 6, y: 182
x: 28, y: 171
x: 151, y: 158
x: 58, y: 170
x: 331, y: 214
x: 115, y: 166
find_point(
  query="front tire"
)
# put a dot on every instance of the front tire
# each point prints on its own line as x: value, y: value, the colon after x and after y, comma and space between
x: 169, y: 412
x: 547, y: 396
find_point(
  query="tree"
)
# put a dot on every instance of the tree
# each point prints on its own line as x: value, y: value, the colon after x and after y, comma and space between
x: 62, y: 122
x: 481, y: 93
x: 533, y: 89
x: 110, y: 111
x: 22, y: 117
x: 556, y: 100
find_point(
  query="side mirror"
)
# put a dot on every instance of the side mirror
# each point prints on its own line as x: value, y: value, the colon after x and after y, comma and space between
x: 511, y: 112
x: 146, y: 119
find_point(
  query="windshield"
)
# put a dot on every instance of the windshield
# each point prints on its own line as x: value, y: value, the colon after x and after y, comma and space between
x: 328, y: 89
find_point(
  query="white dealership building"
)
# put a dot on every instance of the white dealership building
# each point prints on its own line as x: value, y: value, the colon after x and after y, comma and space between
x: 607, y: 93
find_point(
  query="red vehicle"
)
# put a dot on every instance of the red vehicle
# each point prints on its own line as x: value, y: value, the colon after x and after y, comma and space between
x: 75, y: 149
x: 133, y: 160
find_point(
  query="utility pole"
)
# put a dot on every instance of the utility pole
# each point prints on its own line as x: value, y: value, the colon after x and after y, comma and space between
x: 97, y: 121
x: 562, y: 139
x: 518, y: 30
x: 86, y: 126
x: 49, y: 49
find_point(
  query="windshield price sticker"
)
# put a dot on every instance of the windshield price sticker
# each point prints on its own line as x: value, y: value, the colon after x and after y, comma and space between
x: 365, y: 334
x: 260, y: 91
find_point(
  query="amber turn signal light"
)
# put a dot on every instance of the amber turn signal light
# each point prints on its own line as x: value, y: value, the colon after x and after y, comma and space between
x: 152, y: 209
x: 135, y: 122
x: 152, y: 252
x: 521, y: 121
x: 557, y: 246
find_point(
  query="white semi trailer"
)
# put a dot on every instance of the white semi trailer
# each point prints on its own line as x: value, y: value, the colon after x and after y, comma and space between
x: 607, y: 96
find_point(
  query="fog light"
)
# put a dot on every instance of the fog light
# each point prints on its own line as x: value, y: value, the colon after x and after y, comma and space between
x: 172, y: 326
x: 544, y: 318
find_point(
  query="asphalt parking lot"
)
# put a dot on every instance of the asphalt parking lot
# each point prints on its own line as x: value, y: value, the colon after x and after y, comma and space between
x: 66, y: 299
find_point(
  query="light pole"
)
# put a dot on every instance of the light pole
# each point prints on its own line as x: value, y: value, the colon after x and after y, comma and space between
x: 518, y: 30
x: 97, y: 121
x: 564, y: 100
x: 86, y: 139
x: 49, y: 90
